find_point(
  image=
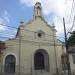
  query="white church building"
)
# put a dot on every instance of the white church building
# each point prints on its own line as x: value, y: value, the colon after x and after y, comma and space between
x: 35, y: 50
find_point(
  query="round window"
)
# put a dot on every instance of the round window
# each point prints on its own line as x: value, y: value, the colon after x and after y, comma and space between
x: 40, y: 35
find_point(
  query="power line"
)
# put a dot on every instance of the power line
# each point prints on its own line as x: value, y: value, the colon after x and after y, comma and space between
x: 38, y: 42
x: 42, y: 43
x: 28, y: 30
x: 8, y: 26
x: 72, y: 9
x: 4, y: 37
x: 72, y: 15
x: 9, y: 38
x: 72, y: 26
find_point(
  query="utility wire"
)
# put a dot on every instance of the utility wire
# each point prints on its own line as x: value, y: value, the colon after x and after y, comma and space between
x: 42, y: 43
x: 7, y: 35
x: 8, y: 26
x: 4, y: 37
x: 72, y: 26
x: 23, y: 36
x: 73, y: 6
x: 28, y: 30
x: 71, y: 10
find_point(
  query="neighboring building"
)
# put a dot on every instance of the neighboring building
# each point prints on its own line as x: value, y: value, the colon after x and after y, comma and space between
x: 35, y: 49
x: 72, y: 58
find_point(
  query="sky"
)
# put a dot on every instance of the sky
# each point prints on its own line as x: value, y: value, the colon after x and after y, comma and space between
x: 13, y: 11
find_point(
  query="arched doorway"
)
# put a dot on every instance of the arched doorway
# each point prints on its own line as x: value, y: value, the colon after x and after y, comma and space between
x: 41, y: 60
x: 10, y: 64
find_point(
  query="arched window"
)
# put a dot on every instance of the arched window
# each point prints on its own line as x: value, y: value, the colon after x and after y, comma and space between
x: 10, y: 64
x: 41, y: 60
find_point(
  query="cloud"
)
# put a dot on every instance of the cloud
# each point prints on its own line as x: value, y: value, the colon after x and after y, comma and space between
x: 4, y: 20
x: 60, y: 9
x: 2, y: 28
x: 56, y: 6
x: 6, y: 17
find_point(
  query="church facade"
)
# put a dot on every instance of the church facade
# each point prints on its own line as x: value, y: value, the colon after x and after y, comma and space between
x: 35, y: 49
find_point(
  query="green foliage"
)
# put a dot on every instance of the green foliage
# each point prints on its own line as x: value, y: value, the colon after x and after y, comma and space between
x: 71, y: 39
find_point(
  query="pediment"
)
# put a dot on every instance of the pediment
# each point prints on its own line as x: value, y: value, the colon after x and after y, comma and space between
x: 37, y: 24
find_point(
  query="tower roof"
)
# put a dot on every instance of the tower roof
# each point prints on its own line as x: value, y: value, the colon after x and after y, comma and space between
x: 38, y: 3
x: 37, y: 9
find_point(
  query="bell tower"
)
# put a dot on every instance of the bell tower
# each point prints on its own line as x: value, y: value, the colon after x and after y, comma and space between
x: 37, y: 10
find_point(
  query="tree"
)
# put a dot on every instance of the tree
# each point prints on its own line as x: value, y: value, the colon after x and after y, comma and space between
x: 71, y: 39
